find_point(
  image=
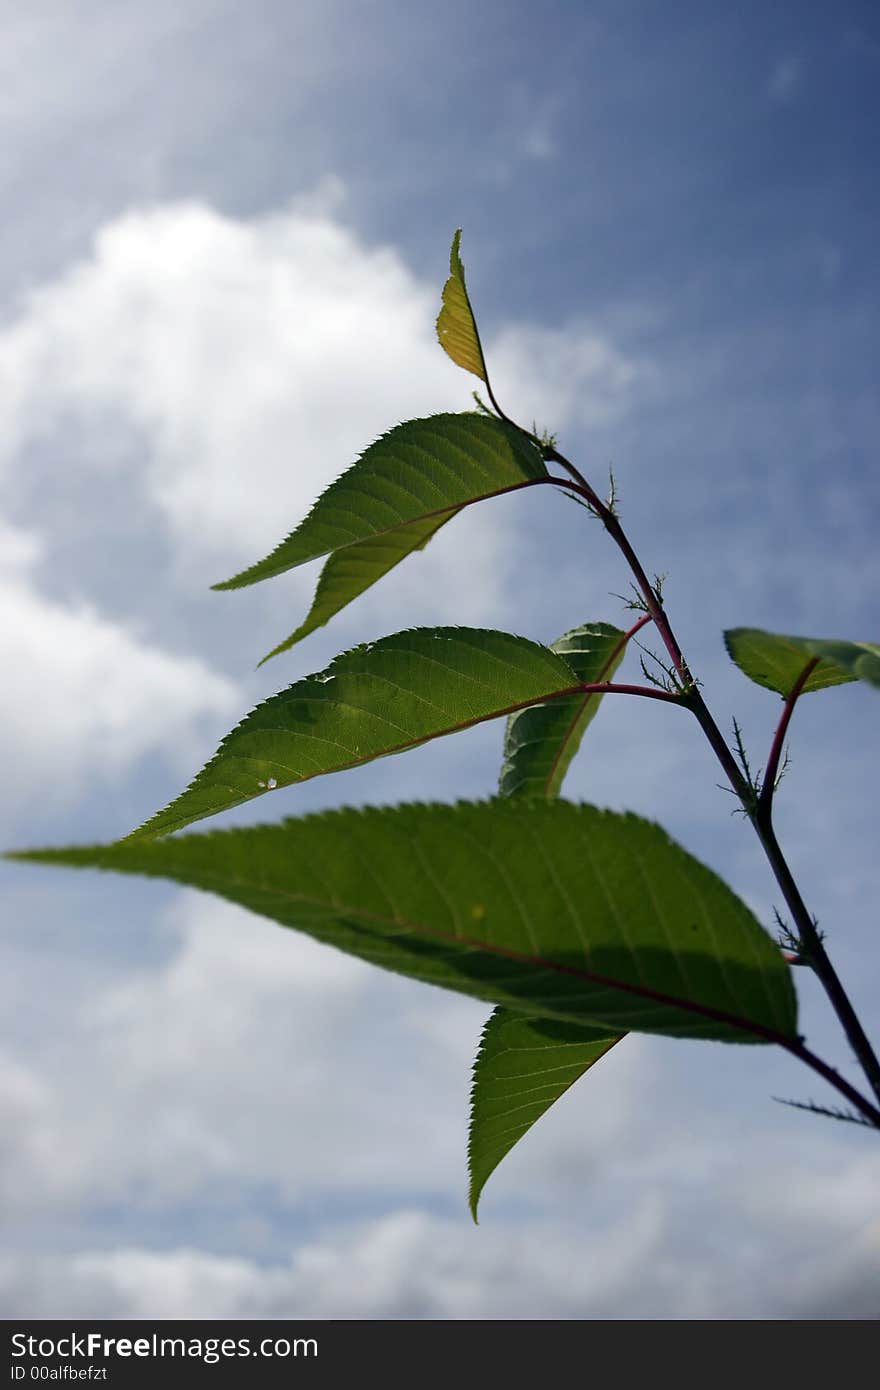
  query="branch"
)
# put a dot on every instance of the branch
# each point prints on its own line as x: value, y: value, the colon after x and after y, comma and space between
x: 765, y: 799
x: 759, y: 816
x: 652, y: 599
x: 814, y: 951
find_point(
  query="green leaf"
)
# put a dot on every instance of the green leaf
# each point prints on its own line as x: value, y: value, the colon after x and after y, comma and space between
x: 377, y: 699
x: 456, y: 325
x: 421, y: 469
x: 349, y: 572
x: 523, y: 1067
x: 777, y: 662
x: 541, y: 741
x: 550, y: 908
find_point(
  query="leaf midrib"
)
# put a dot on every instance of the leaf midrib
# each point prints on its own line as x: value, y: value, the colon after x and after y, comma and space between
x: 229, y: 754
x: 504, y: 953
x: 372, y: 535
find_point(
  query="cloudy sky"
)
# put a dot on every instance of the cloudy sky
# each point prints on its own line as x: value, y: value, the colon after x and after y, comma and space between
x: 225, y: 232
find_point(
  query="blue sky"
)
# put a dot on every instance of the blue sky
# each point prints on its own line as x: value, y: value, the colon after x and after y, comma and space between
x: 226, y: 230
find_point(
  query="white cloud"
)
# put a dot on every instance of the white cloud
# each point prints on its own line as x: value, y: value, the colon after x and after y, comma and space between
x: 407, y: 1264
x: 253, y: 361
x: 26, y: 1145
x: 245, y: 1066
x: 20, y: 551
x: 257, y: 359
x: 84, y: 697
x: 411, y: 1264
x: 219, y: 1065
x: 39, y: 84
x: 252, y: 1055
x: 568, y: 376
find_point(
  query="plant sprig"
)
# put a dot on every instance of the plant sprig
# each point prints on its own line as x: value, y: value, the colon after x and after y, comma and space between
x: 578, y: 925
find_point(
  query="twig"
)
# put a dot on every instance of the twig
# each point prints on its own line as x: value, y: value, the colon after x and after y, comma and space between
x: 768, y: 786
x: 811, y: 940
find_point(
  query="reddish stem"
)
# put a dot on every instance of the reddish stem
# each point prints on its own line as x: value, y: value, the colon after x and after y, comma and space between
x: 765, y: 800
x: 630, y: 632
x: 650, y: 595
x: 613, y: 688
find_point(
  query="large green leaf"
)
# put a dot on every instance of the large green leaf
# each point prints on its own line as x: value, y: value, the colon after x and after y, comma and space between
x: 348, y: 572
x: 456, y: 325
x: 377, y: 699
x: 547, y: 907
x: 541, y: 741
x: 777, y: 662
x: 420, y: 469
x: 523, y: 1067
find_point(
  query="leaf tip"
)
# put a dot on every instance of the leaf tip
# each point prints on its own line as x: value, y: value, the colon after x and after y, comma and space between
x: 233, y: 582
